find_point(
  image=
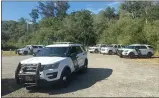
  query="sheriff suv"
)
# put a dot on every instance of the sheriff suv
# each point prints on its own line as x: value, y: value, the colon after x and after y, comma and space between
x: 137, y: 50
x: 111, y: 49
x: 96, y: 48
x: 53, y: 64
x: 27, y: 49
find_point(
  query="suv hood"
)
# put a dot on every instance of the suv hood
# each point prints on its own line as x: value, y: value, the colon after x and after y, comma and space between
x: 107, y: 47
x: 93, y: 47
x: 21, y: 49
x: 42, y: 60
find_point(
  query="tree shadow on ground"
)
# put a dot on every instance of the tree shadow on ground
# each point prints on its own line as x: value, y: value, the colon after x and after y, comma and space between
x: 79, y: 81
x: 8, y: 85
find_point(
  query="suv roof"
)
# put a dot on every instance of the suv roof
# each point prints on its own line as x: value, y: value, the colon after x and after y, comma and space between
x: 63, y: 45
x: 139, y: 45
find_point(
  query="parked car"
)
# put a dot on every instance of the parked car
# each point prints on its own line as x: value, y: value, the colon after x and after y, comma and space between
x: 111, y: 49
x: 96, y: 48
x: 54, y: 64
x: 137, y: 50
x: 29, y: 49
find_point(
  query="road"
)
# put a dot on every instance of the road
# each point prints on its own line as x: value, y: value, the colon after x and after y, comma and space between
x: 107, y: 76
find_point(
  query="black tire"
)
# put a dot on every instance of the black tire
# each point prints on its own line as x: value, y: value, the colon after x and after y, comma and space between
x: 30, y: 88
x: 131, y: 55
x: 96, y: 51
x: 85, y: 67
x: 25, y: 52
x: 121, y: 56
x: 110, y: 52
x: 65, y: 78
x: 149, y: 54
x: 19, y: 53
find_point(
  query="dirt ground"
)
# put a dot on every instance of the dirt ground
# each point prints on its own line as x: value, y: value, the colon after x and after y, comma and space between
x: 107, y: 76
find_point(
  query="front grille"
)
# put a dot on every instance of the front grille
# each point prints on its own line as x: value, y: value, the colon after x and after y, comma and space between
x: 103, y: 49
x: 29, y: 68
x: 120, y: 51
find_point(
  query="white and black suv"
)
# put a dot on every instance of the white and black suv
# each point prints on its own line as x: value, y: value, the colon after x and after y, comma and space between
x: 53, y: 64
x: 111, y: 49
x: 28, y: 49
x: 137, y: 50
x: 96, y: 48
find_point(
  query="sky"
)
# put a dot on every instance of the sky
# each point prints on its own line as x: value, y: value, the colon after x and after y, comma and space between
x: 16, y: 10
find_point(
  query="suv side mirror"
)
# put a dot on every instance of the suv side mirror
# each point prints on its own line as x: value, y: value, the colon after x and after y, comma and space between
x: 73, y: 55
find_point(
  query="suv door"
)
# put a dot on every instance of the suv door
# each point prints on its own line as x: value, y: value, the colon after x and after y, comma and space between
x: 143, y: 50
x: 80, y: 56
x: 35, y: 49
x: 77, y: 56
x: 115, y: 48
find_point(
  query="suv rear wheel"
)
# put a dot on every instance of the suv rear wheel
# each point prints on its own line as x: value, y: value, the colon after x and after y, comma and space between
x: 96, y: 51
x: 85, y: 67
x: 110, y: 52
x: 149, y: 54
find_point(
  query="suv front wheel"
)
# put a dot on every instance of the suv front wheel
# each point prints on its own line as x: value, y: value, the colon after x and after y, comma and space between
x: 65, y: 78
x: 131, y: 55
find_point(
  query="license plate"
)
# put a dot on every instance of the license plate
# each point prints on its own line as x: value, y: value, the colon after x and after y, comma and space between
x: 28, y: 78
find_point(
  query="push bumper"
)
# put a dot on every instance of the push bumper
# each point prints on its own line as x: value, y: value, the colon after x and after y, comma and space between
x: 33, y: 79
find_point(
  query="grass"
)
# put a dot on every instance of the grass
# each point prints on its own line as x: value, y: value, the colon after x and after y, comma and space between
x: 8, y: 53
x: 156, y: 54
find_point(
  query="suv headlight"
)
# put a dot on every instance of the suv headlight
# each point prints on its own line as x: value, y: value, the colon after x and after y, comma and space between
x: 51, y: 66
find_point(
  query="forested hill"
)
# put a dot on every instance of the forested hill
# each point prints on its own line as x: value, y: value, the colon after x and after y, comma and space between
x: 135, y: 22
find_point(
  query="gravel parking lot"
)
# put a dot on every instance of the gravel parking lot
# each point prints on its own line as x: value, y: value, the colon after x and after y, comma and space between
x: 108, y: 75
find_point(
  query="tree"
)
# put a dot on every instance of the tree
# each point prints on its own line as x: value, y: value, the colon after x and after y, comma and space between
x: 47, y: 9
x: 110, y: 12
x: 79, y: 27
x: 53, y: 8
x: 34, y: 15
x: 61, y: 8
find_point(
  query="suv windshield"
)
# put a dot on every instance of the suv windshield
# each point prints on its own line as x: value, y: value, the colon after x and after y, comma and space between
x: 35, y: 46
x: 109, y: 45
x: 53, y: 51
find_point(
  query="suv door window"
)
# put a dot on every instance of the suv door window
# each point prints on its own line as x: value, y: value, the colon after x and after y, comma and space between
x: 83, y: 48
x: 40, y: 46
x: 119, y: 46
x: 73, y: 50
x: 138, y: 47
x: 143, y: 47
x: 78, y: 49
x: 115, y: 46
